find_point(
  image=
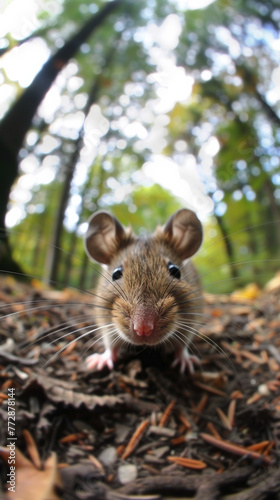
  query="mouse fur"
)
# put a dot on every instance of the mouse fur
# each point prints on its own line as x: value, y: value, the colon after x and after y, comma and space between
x: 141, y: 299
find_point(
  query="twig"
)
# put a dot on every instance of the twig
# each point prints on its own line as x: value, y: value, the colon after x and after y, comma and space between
x: 236, y: 449
x: 135, y: 439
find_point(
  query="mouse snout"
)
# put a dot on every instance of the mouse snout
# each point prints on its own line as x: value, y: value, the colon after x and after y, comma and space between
x: 144, y: 321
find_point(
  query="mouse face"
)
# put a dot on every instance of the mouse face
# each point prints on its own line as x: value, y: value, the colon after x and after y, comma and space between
x: 145, y: 294
x: 150, y: 292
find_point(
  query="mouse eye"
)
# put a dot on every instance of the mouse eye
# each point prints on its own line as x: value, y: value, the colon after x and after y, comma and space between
x: 174, y: 270
x: 117, y: 273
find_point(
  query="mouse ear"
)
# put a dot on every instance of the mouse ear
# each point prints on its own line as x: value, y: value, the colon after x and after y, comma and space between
x: 103, y: 237
x: 184, y: 233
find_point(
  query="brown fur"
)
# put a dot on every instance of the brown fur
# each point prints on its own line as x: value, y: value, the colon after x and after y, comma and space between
x: 146, y: 291
x: 146, y: 280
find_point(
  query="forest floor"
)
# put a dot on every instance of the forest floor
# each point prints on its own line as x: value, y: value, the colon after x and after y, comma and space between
x: 142, y: 430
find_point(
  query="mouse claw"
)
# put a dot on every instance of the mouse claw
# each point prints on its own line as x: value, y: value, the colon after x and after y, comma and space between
x: 101, y: 360
x: 185, y: 360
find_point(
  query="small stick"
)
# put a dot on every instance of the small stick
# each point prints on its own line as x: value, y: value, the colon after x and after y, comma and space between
x: 213, y: 430
x: 97, y: 464
x: 259, y: 446
x: 135, y: 439
x: 236, y: 449
x: 166, y: 414
x: 252, y: 357
x: 184, y: 420
x: 225, y: 420
x: 231, y: 412
x: 71, y: 438
x: 210, y: 388
x: 188, y: 462
x: 178, y: 440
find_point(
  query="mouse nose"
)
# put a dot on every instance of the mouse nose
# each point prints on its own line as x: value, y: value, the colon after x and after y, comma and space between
x: 144, y: 321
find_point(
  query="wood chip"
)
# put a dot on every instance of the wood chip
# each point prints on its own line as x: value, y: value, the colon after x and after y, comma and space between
x: 162, y: 431
x: 184, y: 420
x: 138, y: 434
x: 252, y: 357
x: 231, y: 412
x: 210, y: 388
x: 236, y: 395
x: 167, y: 413
x: 213, y: 430
x: 178, y: 440
x: 224, y: 419
x: 97, y: 464
x: 202, y: 404
x: 260, y: 447
x: 253, y: 399
x: 234, y: 448
x: 187, y: 462
x: 71, y: 438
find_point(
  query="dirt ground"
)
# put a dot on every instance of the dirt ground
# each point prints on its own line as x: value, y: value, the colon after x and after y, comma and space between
x: 142, y: 430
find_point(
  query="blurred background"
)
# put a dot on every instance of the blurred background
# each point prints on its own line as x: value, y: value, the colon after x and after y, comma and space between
x: 140, y: 108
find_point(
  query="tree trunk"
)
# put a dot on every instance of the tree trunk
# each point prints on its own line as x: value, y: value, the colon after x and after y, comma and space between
x: 18, y: 119
x: 8, y: 167
x: 228, y: 247
x: 273, y: 239
x: 69, y: 257
x: 83, y: 274
x: 54, y: 253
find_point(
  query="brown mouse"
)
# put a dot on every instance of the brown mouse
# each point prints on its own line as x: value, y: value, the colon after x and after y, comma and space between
x: 149, y: 294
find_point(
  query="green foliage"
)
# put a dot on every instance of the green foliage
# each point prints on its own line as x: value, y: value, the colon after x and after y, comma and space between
x: 227, y: 48
x: 146, y: 207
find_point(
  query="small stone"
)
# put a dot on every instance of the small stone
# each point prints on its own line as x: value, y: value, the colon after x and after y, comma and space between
x: 127, y: 473
x: 122, y: 432
x: 108, y: 456
x: 263, y: 390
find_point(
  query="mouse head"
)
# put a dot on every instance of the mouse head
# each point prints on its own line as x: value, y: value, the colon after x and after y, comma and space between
x: 106, y: 237
x: 143, y: 306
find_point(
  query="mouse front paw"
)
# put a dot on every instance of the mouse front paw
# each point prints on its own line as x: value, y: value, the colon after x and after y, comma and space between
x: 185, y: 360
x: 102, y: 360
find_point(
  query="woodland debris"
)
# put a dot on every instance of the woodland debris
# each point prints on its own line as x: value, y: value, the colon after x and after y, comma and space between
x: 144, y: 430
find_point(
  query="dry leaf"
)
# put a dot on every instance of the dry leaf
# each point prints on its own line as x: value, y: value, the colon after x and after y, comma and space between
x: 251, y: 291
x: 32, y: 483
x: 273, y: 284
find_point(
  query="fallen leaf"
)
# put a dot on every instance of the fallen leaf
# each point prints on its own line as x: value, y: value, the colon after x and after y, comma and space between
x: 273, y: 284
x: 32, y: 483
x: 251, y: 291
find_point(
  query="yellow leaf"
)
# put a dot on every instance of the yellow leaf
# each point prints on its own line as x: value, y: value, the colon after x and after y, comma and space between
x: 251, y: 291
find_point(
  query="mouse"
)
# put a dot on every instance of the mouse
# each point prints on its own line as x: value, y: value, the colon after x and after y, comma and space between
x: 149, y: 293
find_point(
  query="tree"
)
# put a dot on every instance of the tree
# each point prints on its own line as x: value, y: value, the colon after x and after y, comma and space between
x: 233, y: 102
x: 13, y: 130
x: 228, y: 126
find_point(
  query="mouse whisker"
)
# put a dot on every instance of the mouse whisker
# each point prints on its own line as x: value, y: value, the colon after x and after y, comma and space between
x: 72, y: 341
x: 108, y: 278
x: 52, y: 330
x: 45, y: 306
x: 111, y: 333
x: 233, y: 323
x: 231, y: 264
x: 223, y: 238
x: 209, y: 341
x: 186, y: 342
x: 72, y: 332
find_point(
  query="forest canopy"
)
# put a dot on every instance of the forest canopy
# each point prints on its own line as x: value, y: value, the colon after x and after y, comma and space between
x: 140, y: 108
